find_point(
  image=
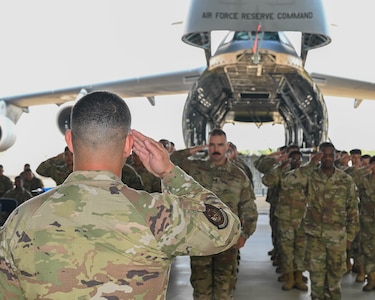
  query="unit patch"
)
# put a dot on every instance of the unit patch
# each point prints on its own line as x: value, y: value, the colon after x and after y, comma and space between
x: 216, y: 216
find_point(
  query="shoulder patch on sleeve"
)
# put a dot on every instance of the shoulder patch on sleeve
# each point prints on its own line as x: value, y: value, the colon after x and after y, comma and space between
x: 216, y: 216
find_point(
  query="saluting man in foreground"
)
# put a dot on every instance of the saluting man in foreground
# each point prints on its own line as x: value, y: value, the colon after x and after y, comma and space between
x: 93, y: 237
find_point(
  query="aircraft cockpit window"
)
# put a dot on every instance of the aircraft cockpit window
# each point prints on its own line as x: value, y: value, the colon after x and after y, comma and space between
x: 284, y: 39
x: 228, y: 38
x: 268, y: 36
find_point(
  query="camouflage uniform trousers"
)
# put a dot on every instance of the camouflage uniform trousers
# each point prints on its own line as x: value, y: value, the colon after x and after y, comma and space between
x: 274, y: 225
x: 212, y: 276
x: 326, y: 262
x: 292, y: 241
x: 368, y: 245
x: 355, y: 251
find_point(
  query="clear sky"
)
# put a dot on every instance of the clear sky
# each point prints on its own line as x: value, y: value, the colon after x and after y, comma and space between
x: 52, y: 44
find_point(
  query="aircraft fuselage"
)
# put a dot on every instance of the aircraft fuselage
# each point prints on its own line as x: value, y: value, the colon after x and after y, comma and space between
x: 258, y: 85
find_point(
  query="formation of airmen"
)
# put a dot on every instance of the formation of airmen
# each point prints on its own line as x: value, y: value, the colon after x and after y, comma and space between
x: 322, y: 212
x: 322, y: 217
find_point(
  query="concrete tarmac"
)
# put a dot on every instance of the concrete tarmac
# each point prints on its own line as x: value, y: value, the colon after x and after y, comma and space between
x: 257, y: 278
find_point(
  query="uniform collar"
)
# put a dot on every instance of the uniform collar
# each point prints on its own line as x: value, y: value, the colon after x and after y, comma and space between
x: 227, y: 165
x: 92, y: 175
x: 324, y: 174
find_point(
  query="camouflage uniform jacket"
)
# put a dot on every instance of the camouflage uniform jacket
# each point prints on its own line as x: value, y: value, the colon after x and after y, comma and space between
x: 271, y: 180
x: 94, y: 238
x: 20, y: 194
x: 350, y: 170
x: 231, y: 185
x: 55, y: 169
x: 177, y: 157
x: 239, y: 162
x: 332, y: 207
x: 33, y: 185
x: 265, y: 164
x: 151, y: 183
x: 5, y: 184
x: 292, y: 198
x: 366, y: 188
x: 131, y: 178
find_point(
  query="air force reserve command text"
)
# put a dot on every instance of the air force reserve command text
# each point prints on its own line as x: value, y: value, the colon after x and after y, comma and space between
x: 256, y: 16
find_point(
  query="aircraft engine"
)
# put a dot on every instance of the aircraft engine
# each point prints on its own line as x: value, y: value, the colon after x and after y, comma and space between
x: 7, y: 133
x: 63, y: 117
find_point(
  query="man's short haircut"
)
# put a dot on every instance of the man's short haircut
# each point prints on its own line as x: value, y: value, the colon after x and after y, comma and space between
x: 218, y: 131
x: 166, y: 144
x: 294, y: 152
x: 372, y: 159
x: 231, y: 145
x: 355, y: 151
x: 99, y: 118
x: 292, y: 147
x: 27, y: 171
x: 326, y: 145
x: 366, y: 156
x: 282, y: 148
x: 18, y: 178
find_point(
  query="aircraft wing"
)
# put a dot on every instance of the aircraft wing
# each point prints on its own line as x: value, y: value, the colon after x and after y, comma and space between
x: 344, y: 87
x: 180, y: 82
x: 146, y: 86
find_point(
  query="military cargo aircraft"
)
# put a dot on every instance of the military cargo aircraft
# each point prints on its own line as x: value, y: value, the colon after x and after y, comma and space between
x: 255, y: 75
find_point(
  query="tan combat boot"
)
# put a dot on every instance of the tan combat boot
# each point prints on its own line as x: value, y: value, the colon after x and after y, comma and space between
x: 370, y: 282
x: 299, y: 282
x: 289, y: 283
x: 283, y: 277
x: 361, y: 276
